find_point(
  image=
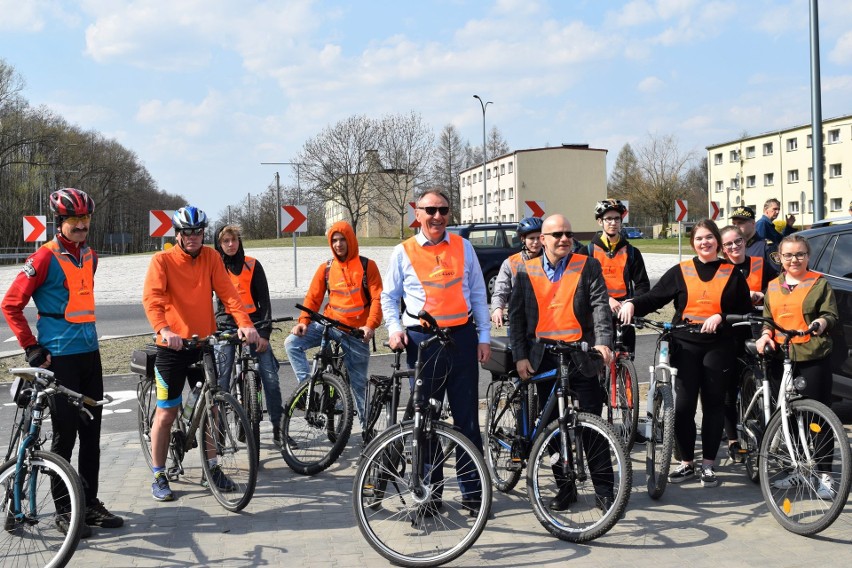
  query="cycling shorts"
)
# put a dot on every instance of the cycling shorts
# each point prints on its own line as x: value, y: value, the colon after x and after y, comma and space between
x: 171, y: 370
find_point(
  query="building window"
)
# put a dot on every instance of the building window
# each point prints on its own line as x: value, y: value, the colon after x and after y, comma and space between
x: 835, y: 170
x: 511, y: 215
x: 735, y: 182
x: 511, y: 190
x: 510, y: 171
x: 835, y: 204
x: 834, y: 136
x: 719, y: 187
x: 810, y: 140
x: 793, y: 207
x: 792, y: 144
x: 792, y: 176
x: 811, y: 206
x: 480, y: 176
x: 717, y: 159
x: 750, y: 152
x: 767, y: 149
x: 810, y: 174
x: 734, y: 156
x: 768, y: 179
x: 503, y: 195
x: 488, y: 174
x: 503, y: 171
x: 751, y: 181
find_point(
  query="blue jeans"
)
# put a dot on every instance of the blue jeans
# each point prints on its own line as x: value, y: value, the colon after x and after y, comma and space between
x: 268, y: 371
x: 356, y: 357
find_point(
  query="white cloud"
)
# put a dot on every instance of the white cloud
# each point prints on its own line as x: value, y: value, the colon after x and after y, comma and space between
x: 19, y: 16
x: 650, y: 84
x: 842, y: 51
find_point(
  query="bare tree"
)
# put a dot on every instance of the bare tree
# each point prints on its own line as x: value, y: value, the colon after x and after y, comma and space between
x: 496, y: 144
x: 661, y: 166
x: 450, y: 160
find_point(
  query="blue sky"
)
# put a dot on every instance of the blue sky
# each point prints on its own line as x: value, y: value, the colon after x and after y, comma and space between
x: 204, y: 91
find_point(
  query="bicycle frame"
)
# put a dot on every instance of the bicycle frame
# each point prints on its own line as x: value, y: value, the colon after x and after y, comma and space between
x: 619, y: 352
x: 663, y: 363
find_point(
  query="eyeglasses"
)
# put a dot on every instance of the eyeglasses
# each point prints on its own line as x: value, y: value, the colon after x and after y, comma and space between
x: 192, y: 232
x: 735, y: 243
x: 559, y: 234
x: 611, y: 219
x: 78, y: 218
x: 788, y: 256
x: 432, y: 210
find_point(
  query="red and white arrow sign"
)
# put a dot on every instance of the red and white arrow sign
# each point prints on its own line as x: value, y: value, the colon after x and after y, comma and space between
x: 160, y: 223
x: 714, y: 210
x: 534, y: 209
x: 294, y: 218
x: 412, y: 218
x: 680, y: 210
x: 35, y: 228
x: 626, y: 217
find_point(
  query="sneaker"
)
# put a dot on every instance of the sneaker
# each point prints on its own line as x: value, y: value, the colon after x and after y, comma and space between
x: 682, y: 473
x: 736, y: 453
x: 160, y: 488
x: 566, y: 496
x: 640, y: 438
x: 98, y: 516
x: 473, y: 506
x: 62, y: 526
x: 708, y: 476
x: 294, y: 445
x: 604, y: 502
x: 222, y: 481
x: 276, y: 436
x: 792, y: 481
x: 825, y: 486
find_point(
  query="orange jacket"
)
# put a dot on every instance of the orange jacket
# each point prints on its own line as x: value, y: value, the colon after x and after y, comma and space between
x: 178, y: 292
x: 351, y: 271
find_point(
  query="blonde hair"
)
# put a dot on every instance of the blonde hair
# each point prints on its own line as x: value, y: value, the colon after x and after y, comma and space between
x: 230, y: 230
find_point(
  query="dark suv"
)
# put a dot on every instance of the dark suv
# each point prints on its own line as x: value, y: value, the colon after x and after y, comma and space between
x: 494, y: 243
x: 831, y: 255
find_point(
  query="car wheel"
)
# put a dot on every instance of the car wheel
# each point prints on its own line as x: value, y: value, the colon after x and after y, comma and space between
x: 490, y: 281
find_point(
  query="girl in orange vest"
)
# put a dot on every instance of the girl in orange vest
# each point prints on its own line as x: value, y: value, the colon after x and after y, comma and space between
x: 703, y: 289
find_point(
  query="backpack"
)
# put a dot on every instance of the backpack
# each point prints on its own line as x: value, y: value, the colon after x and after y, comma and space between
x: 364, y: 285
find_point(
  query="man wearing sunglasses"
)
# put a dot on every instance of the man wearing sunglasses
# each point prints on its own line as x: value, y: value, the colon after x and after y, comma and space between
x: 177, y: 297
x: 563, y: 295
x: 438, y: 272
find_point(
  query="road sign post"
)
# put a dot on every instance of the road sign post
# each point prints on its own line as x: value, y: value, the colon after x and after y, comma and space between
x: 680, y: 210
x: 294, y: 219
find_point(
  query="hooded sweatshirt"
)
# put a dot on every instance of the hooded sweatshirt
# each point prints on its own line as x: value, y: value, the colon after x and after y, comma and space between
x: 350, y: 272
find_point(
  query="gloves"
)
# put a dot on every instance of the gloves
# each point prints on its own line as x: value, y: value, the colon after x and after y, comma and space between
x: 36, y: 355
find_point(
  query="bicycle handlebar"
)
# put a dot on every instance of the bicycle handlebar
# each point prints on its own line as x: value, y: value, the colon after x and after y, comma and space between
x: 46, y: 379
x: 321, y: 319
x: 788, y: 333
x: 665, y: 326
x: 558, y: 345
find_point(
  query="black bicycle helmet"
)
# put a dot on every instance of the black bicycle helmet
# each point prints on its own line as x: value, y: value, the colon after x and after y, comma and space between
x: 189, y: 217
x: 529, y: 225
x: 609, y: 205
x: 70, y: 202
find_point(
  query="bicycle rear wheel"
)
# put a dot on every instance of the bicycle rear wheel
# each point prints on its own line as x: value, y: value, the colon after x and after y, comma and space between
x: 233, y: 477
x: 751, y: 424
x: 806, y: 487
x: 660, y: 444
x: 318, y: 419
x: 146, y: 393
x: 602, y: 479
x: 502, y: 436
x: 51, y: 500
x: 378, y: 397
x: 428, y: 525
x: 624, y: 402
x: 251, y: 404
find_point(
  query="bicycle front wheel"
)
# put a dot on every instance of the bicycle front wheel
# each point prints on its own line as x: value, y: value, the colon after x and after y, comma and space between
x: 502, y: 436
x: 251, y: 404
x: 233, y: 474
x: 624, y: 402
x: 584, y: 500
x: 660, y: 444
x: 805, y: 486
x: 46, y: 530
x: 317, y: 422
x: 378, y: 400
x: 434, y: 521
x: 146, y: 393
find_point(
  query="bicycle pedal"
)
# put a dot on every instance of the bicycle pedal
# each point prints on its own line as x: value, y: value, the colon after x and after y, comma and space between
x: 515, y: 465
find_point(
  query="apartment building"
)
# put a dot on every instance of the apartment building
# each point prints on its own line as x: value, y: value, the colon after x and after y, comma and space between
x: 567, y: 179
x: 778, y: 164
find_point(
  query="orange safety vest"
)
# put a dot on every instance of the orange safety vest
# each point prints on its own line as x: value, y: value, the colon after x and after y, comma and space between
x: 440, y: 269
x: 345, y: 300
x: 81, y: 284
x: 515, y: 262
x: 755, y: 274
x: 703, y: 299
x: 613, y: 270
x: 242, y: 282
x: 556, y: 317
x: 786, y: 309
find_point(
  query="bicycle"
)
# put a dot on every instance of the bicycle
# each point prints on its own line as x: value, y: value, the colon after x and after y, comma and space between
x: 245, y: 384
x: 318, y: 415
x: 213, y: 425
x: 43, y: 504
x: 660, y: 406
x: 804, y: 486
x: 621, y: 384
x: 382, y: 399
x: 753, y: 413
x: 558, y: 453
x: 421, y: 517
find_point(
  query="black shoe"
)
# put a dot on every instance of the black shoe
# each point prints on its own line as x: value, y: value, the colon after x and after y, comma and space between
x: 640, y: 438
x: 736, y: 452
x: 473, y: 506
x: 429, y: 509
x: 604, y: 502
x: 98, y: 516
x: 241, y: 433
x: 276, y: 436
x: 62, y: 526
x: 566, y: 496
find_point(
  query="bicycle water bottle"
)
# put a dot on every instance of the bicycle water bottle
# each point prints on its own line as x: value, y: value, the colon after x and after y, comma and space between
x: 191, y: 401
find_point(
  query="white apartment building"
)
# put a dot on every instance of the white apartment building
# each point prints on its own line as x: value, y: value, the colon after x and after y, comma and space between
x: 567, y: 179
x: 778, y: 164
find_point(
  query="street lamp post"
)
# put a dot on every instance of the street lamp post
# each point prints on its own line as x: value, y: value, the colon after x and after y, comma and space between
x: 484, y: 160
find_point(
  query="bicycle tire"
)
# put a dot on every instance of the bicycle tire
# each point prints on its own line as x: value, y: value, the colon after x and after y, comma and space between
x: 501, y: 436
x: 319, y: 430
x: 251, y: 404
x: 236, y: 460
x: 751, y: 425
x: 378, y: 401
x: 417, y: 532
x: 37, y: 540
x: 660, y: 444
x: 799, y: 508
x: 146, y: 394
x: 625, y: 407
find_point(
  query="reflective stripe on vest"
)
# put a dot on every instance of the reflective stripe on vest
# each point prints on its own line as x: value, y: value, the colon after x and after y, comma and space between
x: 556, y: 318
x: 755, y: 274
x: 80, y: 281
x: 515, y: 261
x: 613, y: 270
x: 787, y: 309
x: 242, y: 282
x: 440, y: 269
x: 703, y: 299
x: 346, y: 298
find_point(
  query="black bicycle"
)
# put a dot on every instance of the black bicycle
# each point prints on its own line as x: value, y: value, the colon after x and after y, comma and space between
x: 317, y: 418
x: 382, y: 400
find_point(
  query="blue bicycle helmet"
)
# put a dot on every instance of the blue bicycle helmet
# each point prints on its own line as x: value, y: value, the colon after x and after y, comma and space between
x: 189, y: 217
x: 529, y: 225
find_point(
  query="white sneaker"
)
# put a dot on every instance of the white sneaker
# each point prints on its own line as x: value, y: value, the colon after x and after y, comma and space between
x: 825, y: 486
x: 792, y: 481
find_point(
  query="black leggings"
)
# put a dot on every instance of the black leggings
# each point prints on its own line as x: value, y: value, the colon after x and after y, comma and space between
x: 704, y: 369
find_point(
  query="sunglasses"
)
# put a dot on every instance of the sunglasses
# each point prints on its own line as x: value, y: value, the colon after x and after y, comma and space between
x: 74, y: 219
x: 432, y: 210
x: 191, y: 232
x: 559, y: 234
